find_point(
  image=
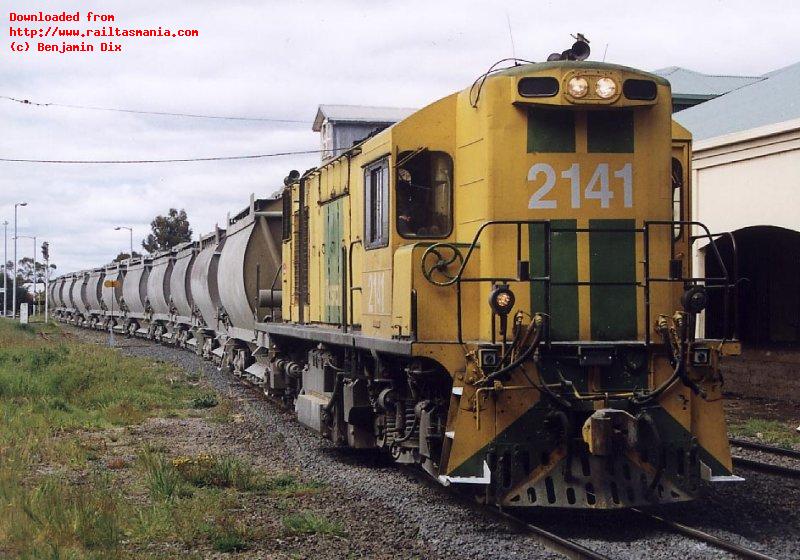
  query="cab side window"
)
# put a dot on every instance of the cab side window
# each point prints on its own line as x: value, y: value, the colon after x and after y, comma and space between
x: 424, y: 194
x: 677, y: 198
x: 376, y: 204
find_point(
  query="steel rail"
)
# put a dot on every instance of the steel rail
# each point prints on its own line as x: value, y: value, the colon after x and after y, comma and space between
x: 548, y: 540
x: 769, y: 468
x: 731, y: 547
x: 568, y: 548
x: 773, y: 449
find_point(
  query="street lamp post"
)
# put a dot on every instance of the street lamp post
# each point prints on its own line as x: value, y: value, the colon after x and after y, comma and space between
x: 130, y: 230
x: 5, y: 267
x: 33, y: 268
x: 14, y: 296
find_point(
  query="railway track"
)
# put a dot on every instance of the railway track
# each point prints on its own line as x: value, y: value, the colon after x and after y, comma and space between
x: 728, y: 546
x: 549, y: 540
x: 761, y: 466
x: 567, y: 547
x: 575, y: 550
x: 773, y: 449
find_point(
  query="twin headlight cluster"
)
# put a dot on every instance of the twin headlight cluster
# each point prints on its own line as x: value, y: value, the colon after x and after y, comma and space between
x: 604, y: 87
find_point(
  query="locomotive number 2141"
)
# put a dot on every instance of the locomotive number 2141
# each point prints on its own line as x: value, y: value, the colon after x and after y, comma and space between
x: 597, y: 188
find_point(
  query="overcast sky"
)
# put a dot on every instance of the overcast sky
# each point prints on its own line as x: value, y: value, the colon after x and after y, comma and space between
x: 271, y: 59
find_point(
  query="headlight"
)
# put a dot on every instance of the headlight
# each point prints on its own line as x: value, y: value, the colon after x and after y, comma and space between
x: 501, y: 300
x: 578, y: 87
x: 605, y: 88
x: 694, y: 299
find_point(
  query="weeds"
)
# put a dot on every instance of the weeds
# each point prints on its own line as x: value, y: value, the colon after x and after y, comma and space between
x: 207, y: 400
x: 309, y: 523
x: 163, y: 480
x: 223, y: 472
x: 226, y: 535
x: 60, y: 516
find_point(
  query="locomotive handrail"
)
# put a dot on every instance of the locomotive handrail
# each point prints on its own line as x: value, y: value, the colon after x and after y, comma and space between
x: 722, y: 282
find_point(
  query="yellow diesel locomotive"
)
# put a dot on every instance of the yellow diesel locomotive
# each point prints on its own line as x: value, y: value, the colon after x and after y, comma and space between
x: 500, y: 289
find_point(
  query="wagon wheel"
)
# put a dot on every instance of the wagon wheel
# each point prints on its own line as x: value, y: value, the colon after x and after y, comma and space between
x: 437, y: 260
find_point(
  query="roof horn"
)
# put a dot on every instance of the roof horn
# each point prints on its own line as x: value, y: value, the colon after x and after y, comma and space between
x: 580, y: 50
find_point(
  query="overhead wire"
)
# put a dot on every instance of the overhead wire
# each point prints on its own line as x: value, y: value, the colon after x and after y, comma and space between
x: 170, y: 160
x: 158, y: 113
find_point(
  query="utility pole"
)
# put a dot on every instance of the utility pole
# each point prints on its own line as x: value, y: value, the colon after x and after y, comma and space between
x: 130, y: 230
x: 33, y: 274
x: 5, y: 268
x: 14, y: 296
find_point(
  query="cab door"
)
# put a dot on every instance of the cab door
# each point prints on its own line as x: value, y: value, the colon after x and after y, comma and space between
x: 332, y: 214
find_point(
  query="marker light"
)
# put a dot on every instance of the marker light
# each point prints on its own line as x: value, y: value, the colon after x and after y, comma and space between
x: 501, y: 300
x: 578, y: 87
x: 606, y: 88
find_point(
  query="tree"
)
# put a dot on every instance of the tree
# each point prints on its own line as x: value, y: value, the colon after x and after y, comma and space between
x: 168, y: 231
x: 22, y: 294
x: 125, y: 256
x: 25, y: 271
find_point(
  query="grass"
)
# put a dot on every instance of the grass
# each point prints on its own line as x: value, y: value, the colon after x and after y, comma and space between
x: 64, y: 493
x: 206, y: 400
x: 309, y: 523
x: 768, y: 431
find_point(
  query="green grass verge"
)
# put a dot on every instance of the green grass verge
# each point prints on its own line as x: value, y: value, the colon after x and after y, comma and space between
x: 768, y: 431
x: 62, y: 496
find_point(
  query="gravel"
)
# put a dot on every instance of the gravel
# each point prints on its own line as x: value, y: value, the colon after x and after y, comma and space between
x: 409, y: 515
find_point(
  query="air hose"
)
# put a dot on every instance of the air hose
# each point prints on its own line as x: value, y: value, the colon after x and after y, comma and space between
x: 538, y: 321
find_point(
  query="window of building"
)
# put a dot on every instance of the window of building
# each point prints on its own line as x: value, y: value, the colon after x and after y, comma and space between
x: 425, y: 194
x: 376, y: 204
x: 677, y: 198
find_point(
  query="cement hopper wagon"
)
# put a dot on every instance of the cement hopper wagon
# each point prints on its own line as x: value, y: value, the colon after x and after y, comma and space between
x: 134, y: 296
x: 158, y: 294
x: 180, y: 289
x: 208, y: 329
x: 77, y: 296
x: 248, y: 277
x: 92, y: 296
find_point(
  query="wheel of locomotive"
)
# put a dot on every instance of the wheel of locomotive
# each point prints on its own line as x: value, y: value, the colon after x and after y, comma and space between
x: 437, y: 260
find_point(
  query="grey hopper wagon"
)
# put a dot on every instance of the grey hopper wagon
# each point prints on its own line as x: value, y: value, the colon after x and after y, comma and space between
x: 180, y: 283
x: 69, y: 285
x: 51, y: 293
x: 181, y: 300
x: 134, y: 295
x: 158, y: 294
x: 249, y: 262
x: 248, y: 275
x: 205, y: 293
x: 93, y: 295
x: 158, y: 286
x: 77, y: 295
x: 57, y: 293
